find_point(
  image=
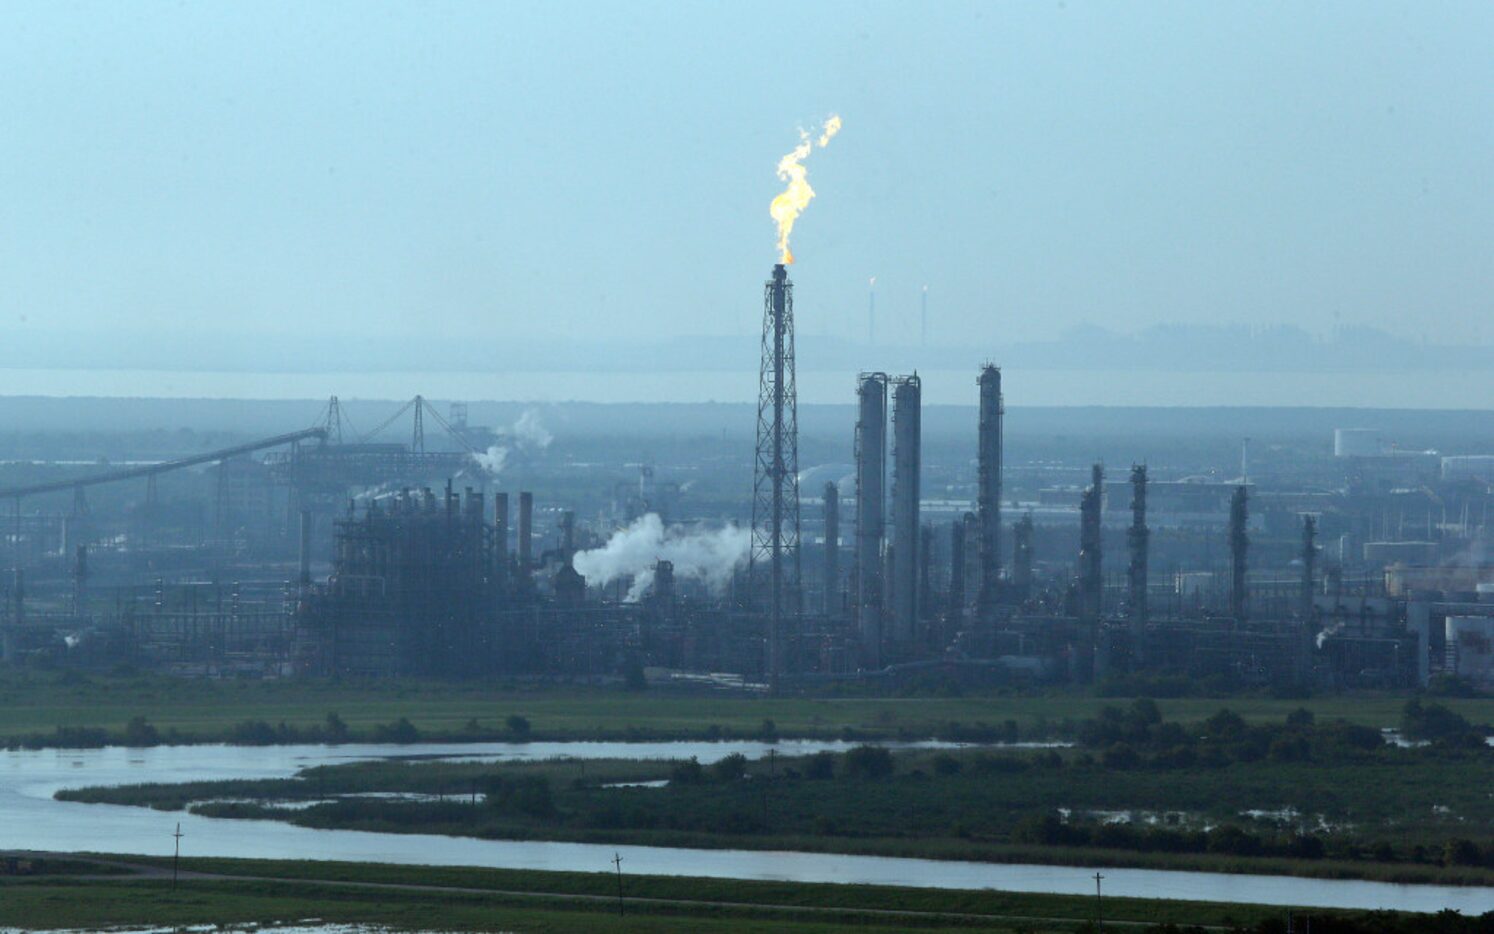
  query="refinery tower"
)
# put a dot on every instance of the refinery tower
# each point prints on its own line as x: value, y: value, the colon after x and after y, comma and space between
x: 775, y: 483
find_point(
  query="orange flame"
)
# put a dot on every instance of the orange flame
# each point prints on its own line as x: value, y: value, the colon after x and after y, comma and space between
x: 787, y: 207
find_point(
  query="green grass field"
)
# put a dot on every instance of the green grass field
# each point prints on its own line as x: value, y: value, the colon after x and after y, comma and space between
x: 517, y: 900
x: 39, y: 702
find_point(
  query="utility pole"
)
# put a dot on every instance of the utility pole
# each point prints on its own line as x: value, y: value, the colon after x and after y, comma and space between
x: 1099, y: 905
x: 176, y: 857
x: 617, y: 861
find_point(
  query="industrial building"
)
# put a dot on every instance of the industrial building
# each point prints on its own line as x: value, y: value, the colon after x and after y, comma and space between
x: 1357, y: 563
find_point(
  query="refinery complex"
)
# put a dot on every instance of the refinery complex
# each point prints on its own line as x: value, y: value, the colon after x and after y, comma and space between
x: 876, y: 554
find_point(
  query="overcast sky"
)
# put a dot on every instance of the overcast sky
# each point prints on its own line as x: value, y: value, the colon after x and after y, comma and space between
x: 544, y: 169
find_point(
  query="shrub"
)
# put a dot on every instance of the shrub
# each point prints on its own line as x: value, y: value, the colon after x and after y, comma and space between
x: 946, y: 765
x: 251, y: 733
x: 401, y: 731
x: 1431, y: 721
x: 139, y: 732
x: 1226, y: 723
x: 687, y: 772
x: 336, y: 729
x: 517, y: 725
x: 1461, y: 852
x: 731, y: 768
x: 868, y: 762
x: 1289, y: 749
x: 529, y: 795
x: 820, y: 766
x: 1120, y: 756
x: 1144, y: 711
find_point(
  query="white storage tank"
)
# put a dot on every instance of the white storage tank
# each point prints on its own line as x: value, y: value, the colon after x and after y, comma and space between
x: 1356, y: 442
x: 1470, y: 648
x: 1469, y: 467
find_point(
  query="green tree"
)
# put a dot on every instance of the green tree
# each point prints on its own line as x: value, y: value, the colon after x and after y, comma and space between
x: 730, y: 768
x: 868, y: 762
x: 140, y: 732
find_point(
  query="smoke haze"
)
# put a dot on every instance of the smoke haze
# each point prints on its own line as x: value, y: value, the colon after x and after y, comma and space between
x: 710, y: 556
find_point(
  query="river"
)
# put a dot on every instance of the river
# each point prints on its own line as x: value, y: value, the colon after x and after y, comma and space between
x: 30, y: 818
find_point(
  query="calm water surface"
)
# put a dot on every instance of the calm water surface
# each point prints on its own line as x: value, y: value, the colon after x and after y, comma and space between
x: 32, y: 819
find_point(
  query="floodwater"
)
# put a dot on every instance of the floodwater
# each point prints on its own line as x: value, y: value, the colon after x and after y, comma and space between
x: 34, y: 820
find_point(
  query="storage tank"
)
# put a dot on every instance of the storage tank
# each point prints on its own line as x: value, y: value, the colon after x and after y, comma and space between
x: 1470, y: 648
x: 1413, y: 553
x: 1469, y: 467
x: 1356, y: 442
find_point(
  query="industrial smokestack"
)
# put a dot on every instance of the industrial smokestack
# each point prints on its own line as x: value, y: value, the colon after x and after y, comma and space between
x: 988, y: 487
x: 18, y: 596
x: 567, y: 535
x: 525, y: 530
x: 1309, y: 565
x: 500, y: 537
x: 1239, y: 544
x: 80, y: 581
x: 871, y: 466
x: 907, y: 401
x: 832, y: 550
x: 1307, y: 637
x: 1138, y: 537
x: 1091, y: 569
x: 304, y: 579
x: 957, y: 571
x: 1022, y: 556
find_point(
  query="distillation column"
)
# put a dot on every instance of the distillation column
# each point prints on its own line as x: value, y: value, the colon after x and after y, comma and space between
x: 871, y: 467
x: 988, y: 491
x: 907, y: 393
x: 1091, y: 570
x: 1139, y: 538
x: 1239, y: 545
x: 832, y: 550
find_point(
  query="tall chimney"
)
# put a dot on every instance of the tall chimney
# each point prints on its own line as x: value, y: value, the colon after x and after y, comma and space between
x: 1022, y: 556
x: 525, y: 530
x: 1239, y: 545
x: 1307, y: 637
x: 80, y: 581
x: 1091, y: 570
x: 871, y: 467
x: 1138, y: 537
x: 500, y: 537
x: 304, y: 579
x: 988, y: 487
x: 832, y: 550
x: 907, y: 401
x: 1309, y: 565
x: 957, y: 571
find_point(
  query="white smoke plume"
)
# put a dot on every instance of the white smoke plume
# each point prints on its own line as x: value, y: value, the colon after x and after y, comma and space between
x: 493, y: 460
x: 527, y: 434
x: 530, y: 432
x: 710, y: 556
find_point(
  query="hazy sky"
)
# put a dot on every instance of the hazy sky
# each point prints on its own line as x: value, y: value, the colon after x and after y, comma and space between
x: 543, y: 169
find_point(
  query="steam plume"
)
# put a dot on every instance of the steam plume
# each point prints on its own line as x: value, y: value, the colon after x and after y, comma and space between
x: 710, y: 556
x: 787, y: 207
x: 527, y: 434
